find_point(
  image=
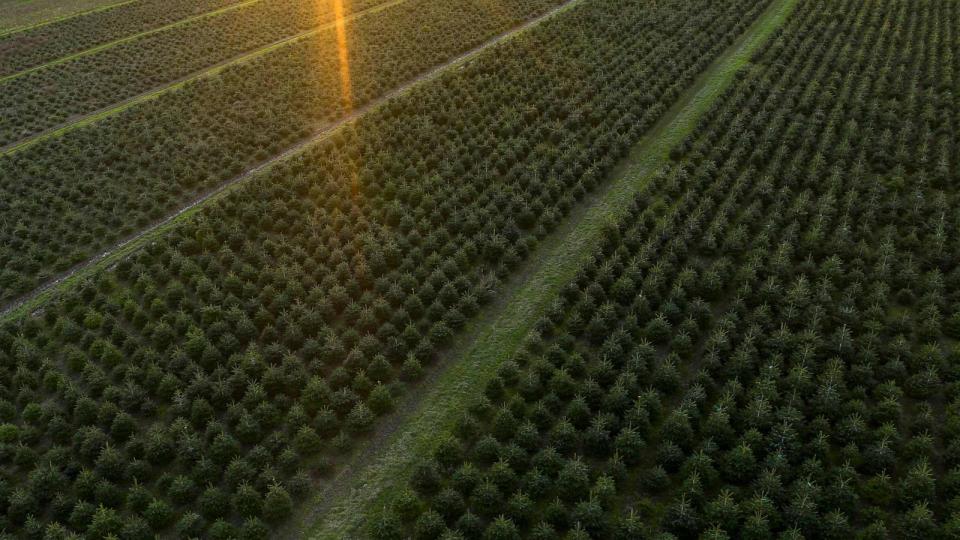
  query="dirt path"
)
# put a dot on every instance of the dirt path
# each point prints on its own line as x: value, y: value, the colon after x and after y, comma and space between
x: 382, y: 464
x: 208, y: 71
x: 31, y: 300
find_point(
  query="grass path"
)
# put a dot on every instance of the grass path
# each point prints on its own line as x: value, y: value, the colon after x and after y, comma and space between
x: 380, y: 468
x: 209, y: 71
x: 127, y: 39
x: 34, y: 299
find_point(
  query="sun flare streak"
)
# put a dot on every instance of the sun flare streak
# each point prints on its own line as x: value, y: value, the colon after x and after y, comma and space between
x: 344, y: 55
x: 346, y: 88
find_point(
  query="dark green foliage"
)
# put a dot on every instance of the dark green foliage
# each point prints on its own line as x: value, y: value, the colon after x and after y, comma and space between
x: 254, y: 529
x: 43, y: 43
x: 158, y: 58
x: 277, y: 504
x: 767, y: 320
x: 788, y: 372
x: 261, y: 123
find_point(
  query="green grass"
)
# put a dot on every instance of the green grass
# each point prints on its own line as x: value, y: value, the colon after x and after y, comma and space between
x: 180, y: 83
x: 371, y: 482
x: 127, y: 39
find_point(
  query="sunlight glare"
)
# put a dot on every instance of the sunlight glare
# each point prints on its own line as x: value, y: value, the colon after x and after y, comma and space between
x: 343, y: 54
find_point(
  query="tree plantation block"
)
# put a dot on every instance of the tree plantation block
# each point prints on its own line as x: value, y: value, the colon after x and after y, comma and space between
x: 217, y: 374
x: 762, y: 350
x: 482, y: 270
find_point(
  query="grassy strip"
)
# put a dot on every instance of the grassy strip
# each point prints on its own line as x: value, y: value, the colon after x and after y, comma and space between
x: 180, y: 83
x: 56, y: 19
x: 127, y: 39
x: 34, y: 300
x: 553, y: 265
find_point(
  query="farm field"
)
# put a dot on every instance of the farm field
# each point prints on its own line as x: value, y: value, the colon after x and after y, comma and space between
x: 767, y: 344
x: 19, y: 14
x: 32, y: 46
x: 481, y: 269
x: 214, y: 131
x: 56, y: 94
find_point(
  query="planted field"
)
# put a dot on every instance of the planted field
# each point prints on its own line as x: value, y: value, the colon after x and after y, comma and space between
x: 220, y: 371
x: 767, y: 346
x: 51, y: 97
x: 471, y: 269
x: 18, y: 14
x: 74, y: 195
x: 20, y: 50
